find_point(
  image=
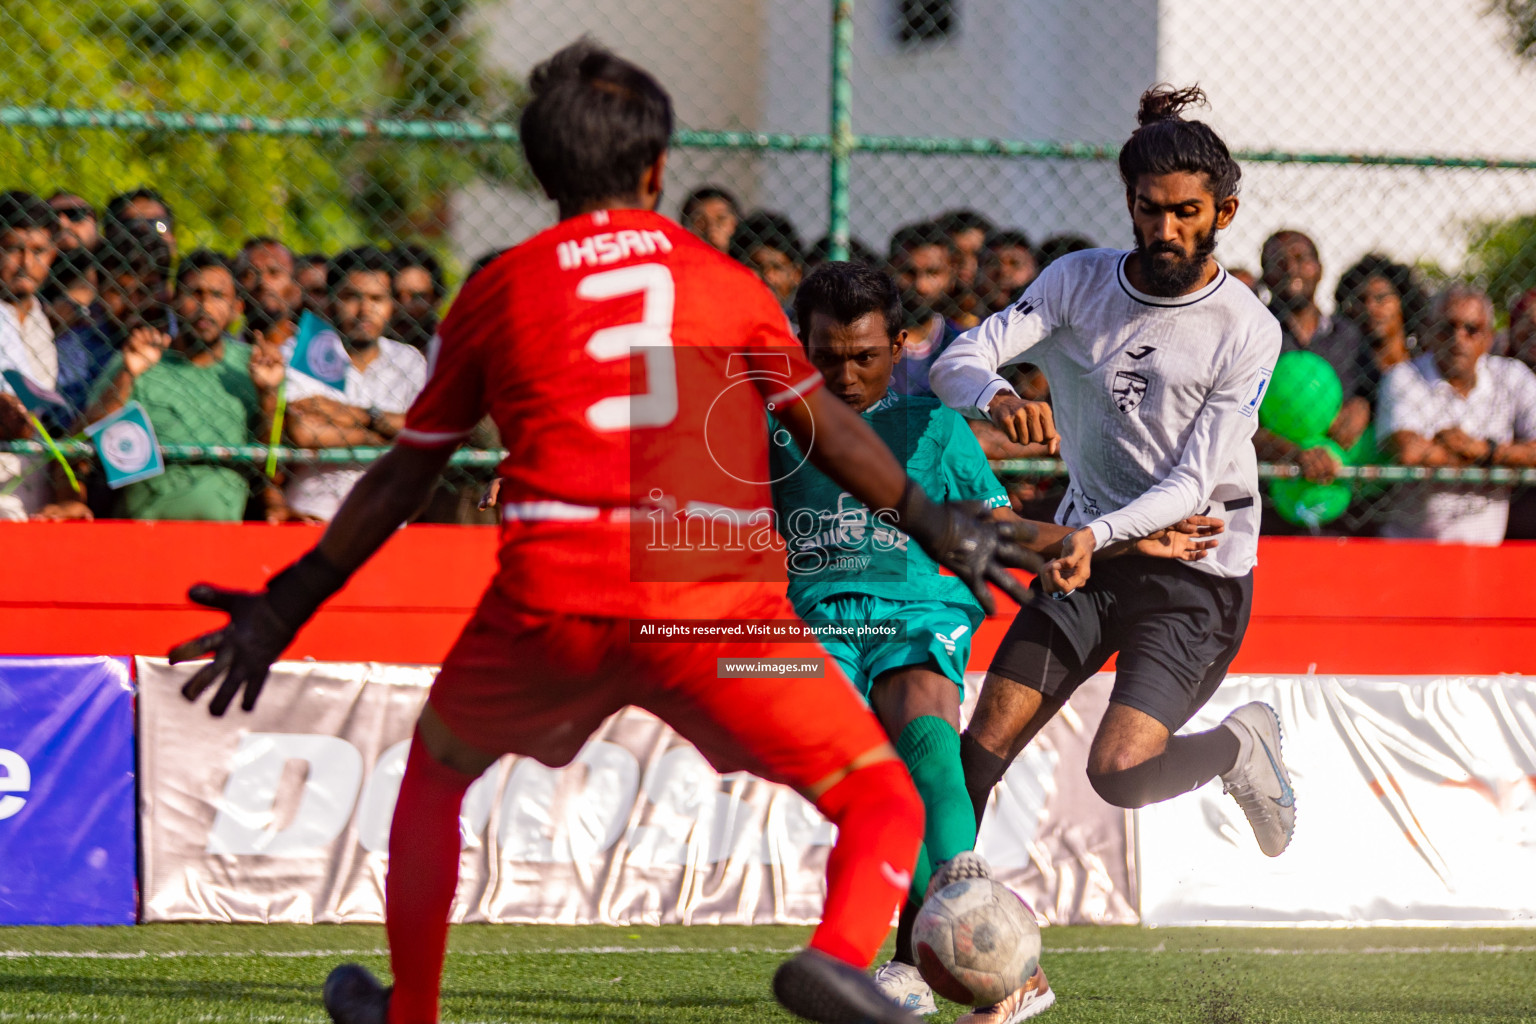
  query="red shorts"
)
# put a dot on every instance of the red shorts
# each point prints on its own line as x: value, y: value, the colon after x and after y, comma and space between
x: 538, y: 683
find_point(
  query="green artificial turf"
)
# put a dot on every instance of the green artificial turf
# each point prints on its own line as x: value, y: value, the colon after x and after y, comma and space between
x: 181, y: 973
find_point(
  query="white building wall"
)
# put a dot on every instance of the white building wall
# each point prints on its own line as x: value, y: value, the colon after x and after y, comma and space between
x: 707, y: 53
x: 1360, y: 76
x: 1030, y: 69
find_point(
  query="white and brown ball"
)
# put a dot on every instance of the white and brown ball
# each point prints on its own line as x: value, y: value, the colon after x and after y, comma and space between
x: 976, y: 941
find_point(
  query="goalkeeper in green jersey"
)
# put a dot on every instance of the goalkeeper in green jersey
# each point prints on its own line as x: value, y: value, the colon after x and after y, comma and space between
x: 900, y: 630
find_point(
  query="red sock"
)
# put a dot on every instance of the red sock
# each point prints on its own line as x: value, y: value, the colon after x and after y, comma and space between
x: 423, y: 874
x: 879, y: 819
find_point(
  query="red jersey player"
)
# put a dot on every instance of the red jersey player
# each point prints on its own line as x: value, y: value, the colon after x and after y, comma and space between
x: 592, y: 345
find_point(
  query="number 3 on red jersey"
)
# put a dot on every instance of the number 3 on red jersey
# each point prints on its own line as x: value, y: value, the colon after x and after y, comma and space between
x: 650, y: 338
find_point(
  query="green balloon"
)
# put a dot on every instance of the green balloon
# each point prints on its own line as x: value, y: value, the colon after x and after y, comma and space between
x: 1303, y: 398
x: 1365, y: 451
x: 1307, y: 503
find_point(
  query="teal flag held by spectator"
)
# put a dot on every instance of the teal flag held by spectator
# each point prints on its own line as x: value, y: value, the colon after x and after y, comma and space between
x: 126, y: 442
x: 33, y: 396
x: 319, y: 353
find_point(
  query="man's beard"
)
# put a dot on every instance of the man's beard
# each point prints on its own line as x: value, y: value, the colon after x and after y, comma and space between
x: 259, y: 317
x: 193, y: 344
x: 918, y: 311
x: 1165, y: 268
x: 1290, y: 301
x: 914, y: 308
x: 416, y: 332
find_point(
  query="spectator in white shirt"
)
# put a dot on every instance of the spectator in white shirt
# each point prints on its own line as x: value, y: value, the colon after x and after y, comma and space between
x: 1456, y: 405
x: 26, y: 343
x: 382, y: 381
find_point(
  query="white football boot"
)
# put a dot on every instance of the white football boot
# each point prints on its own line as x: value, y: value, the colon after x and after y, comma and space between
x: 1030, y: 1001
x: 1258, y: 781
x: 903, y: 984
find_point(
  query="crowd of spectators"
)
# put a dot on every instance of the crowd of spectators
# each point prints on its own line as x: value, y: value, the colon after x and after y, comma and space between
x: 100, y: 308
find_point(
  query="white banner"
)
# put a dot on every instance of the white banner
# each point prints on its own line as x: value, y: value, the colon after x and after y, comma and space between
x: 1414, y: 805
x: 1047, y: 834
x: 283, y: 815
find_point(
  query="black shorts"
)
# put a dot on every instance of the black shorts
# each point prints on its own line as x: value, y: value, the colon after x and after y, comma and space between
x: 1176, y: 629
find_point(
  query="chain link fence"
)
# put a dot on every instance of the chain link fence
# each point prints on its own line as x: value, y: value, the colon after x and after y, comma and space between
x: 298, y: 138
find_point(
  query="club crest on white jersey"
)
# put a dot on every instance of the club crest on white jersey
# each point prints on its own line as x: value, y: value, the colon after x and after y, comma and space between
x: 1129, y: 388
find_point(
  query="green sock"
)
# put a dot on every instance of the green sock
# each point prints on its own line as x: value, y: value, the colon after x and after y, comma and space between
x: 921, y: 874
x: 931, y: 749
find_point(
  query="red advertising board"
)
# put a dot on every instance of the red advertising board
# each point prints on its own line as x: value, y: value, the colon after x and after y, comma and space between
x: 1324, y: 605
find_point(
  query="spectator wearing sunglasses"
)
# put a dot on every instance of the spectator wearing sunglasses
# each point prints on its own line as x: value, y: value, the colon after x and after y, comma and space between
x: 1456, y: 405
x: 77, y: 223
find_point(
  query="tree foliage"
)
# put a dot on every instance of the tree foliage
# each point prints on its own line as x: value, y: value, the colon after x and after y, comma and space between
x: 274, y: 58
x: 1502, y: 258
x: 1520, y: 15
x: 431, y: 70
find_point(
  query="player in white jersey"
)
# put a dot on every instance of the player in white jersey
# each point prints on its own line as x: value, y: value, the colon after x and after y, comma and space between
x: 1157, y: 362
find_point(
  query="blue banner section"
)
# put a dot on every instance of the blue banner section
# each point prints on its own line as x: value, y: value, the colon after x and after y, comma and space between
x: 67, y: 812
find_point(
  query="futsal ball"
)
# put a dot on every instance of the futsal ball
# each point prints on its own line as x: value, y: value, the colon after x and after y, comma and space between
x: 976, y: 942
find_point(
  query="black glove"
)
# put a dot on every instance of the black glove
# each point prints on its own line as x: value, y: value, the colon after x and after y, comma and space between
x: 965, y: 539
x: 261, y: 626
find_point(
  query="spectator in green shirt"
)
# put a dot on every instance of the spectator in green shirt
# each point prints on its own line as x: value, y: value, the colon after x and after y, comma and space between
x: 199, y: 385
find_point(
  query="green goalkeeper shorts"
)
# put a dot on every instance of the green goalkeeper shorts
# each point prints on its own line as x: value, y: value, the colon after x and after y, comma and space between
x: 896, y: 634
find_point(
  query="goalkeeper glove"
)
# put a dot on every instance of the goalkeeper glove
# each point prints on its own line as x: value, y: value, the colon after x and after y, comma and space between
x: 261, y: 626
x: 965, y: 539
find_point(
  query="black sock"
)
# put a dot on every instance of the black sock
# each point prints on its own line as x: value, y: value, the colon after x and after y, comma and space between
x: 904, y: 925
x: 982, y: 770
x: 1188, y: 763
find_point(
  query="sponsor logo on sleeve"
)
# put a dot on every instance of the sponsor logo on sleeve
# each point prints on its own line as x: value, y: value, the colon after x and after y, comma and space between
x: 1023, y: 308
x: 1255, y: 393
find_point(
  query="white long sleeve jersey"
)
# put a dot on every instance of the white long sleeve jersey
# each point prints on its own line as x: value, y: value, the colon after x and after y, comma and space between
x: 1156, y: 399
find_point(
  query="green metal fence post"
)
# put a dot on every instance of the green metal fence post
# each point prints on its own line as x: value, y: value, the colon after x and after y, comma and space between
x: 842, y: 128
